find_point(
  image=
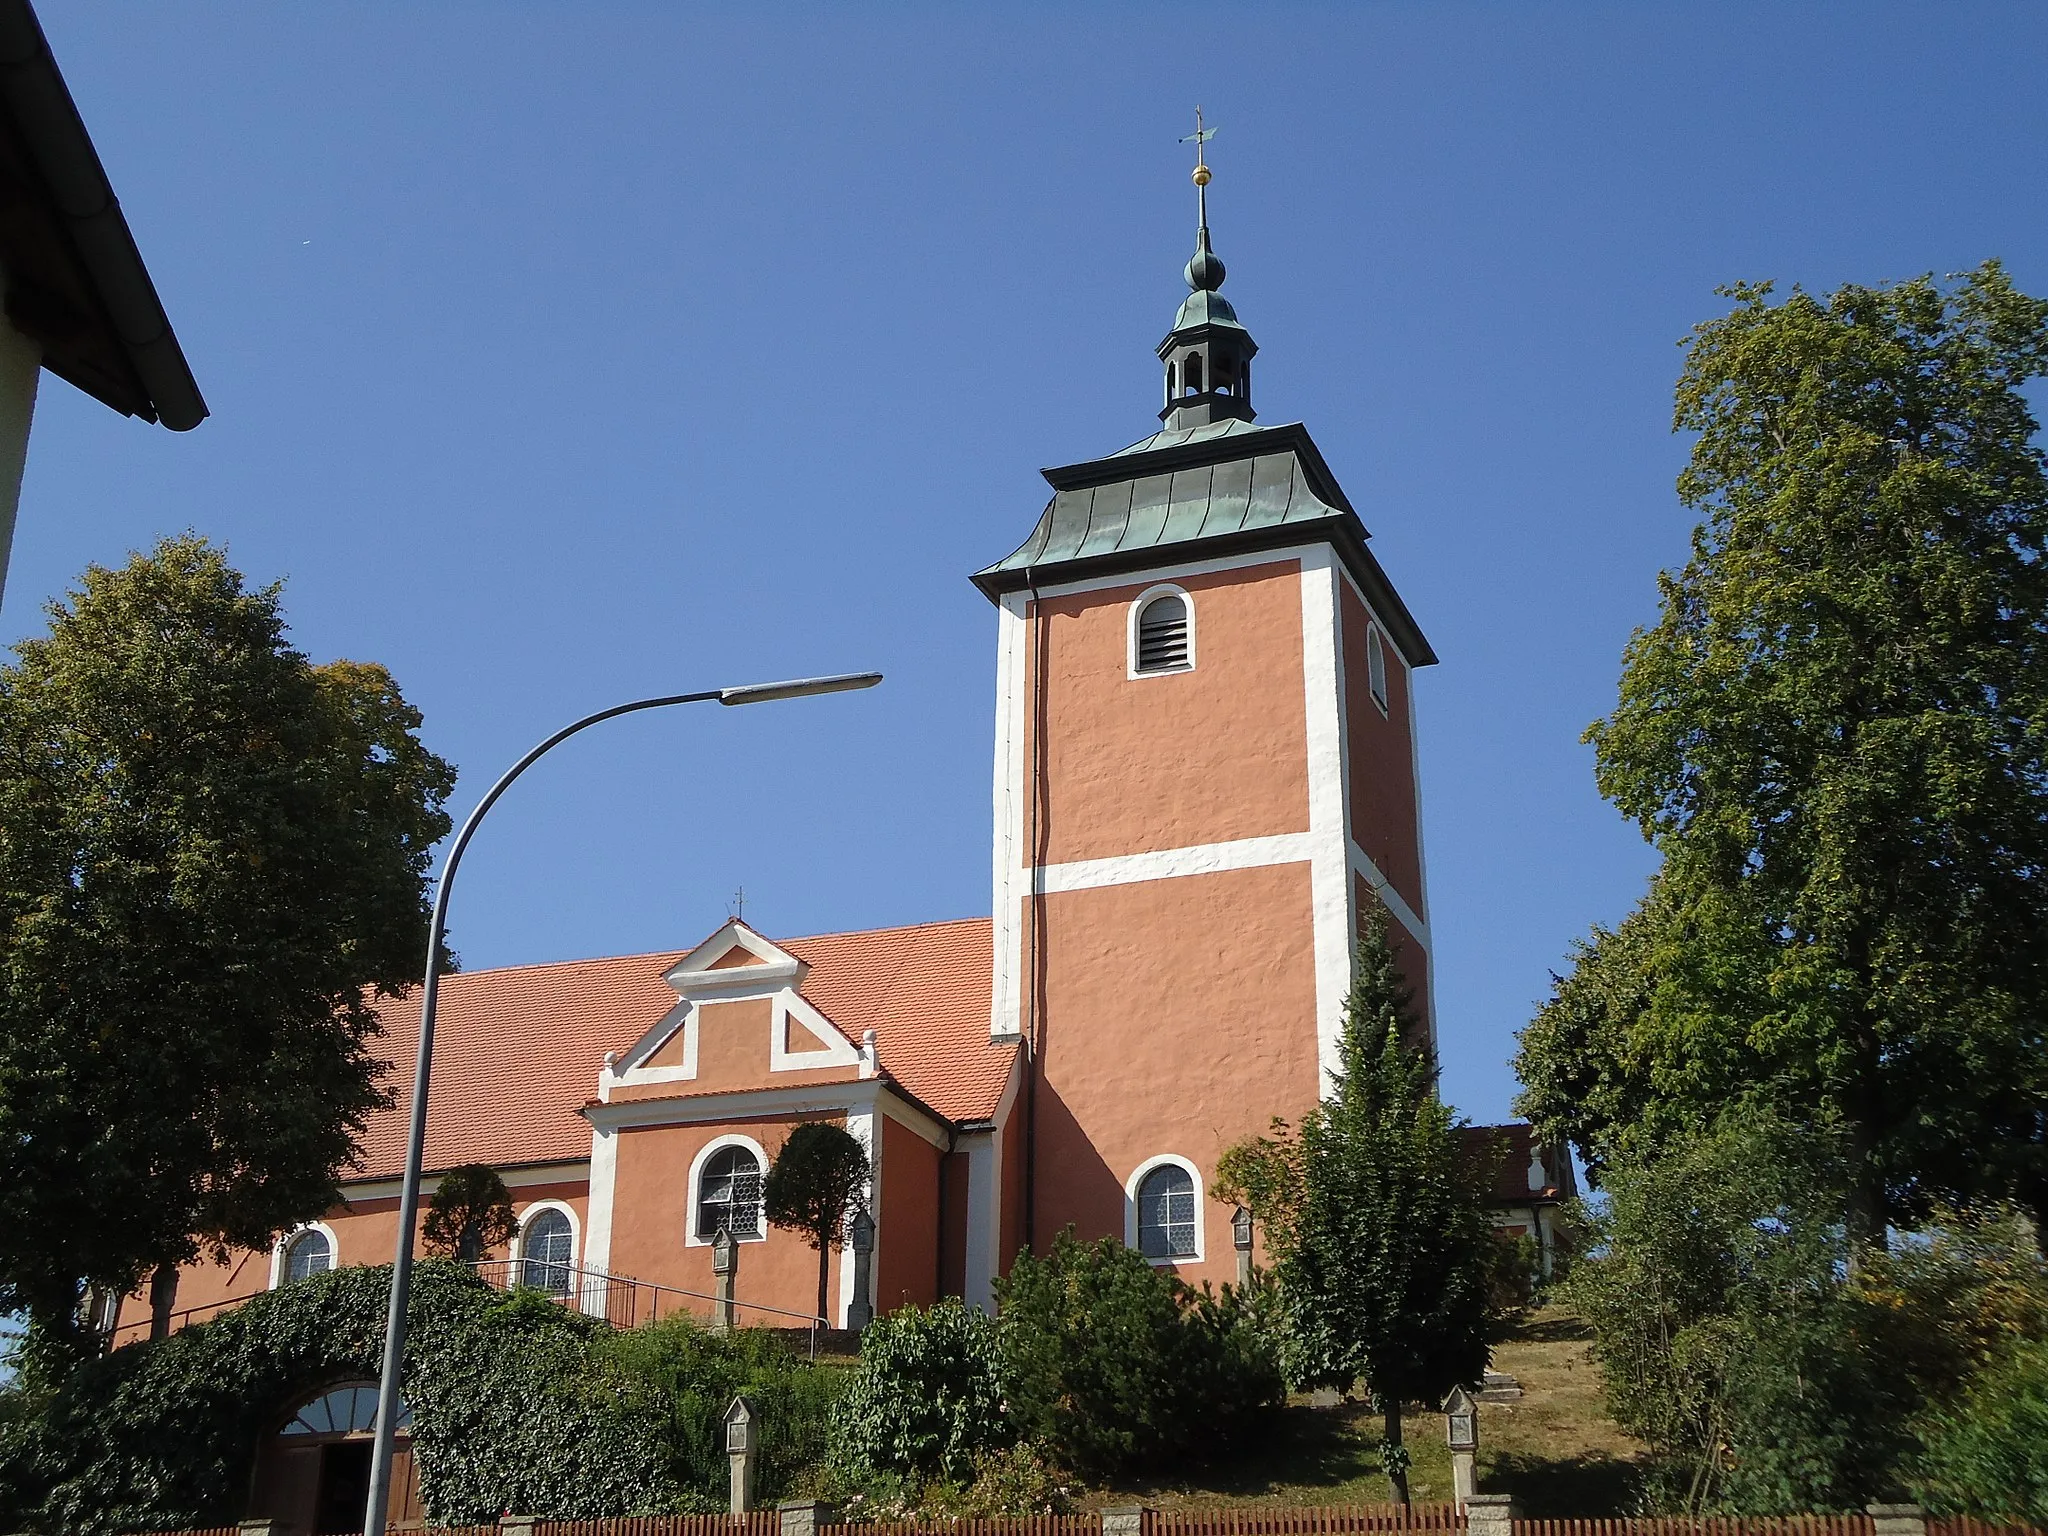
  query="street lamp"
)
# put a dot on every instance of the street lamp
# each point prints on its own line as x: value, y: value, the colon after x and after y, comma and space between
x: 375, y: 1511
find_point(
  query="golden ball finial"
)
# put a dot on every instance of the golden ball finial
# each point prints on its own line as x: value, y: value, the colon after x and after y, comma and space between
x: 1201, y: 175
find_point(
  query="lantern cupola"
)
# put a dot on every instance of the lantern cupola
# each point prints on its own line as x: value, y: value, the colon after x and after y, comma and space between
x: 1208, y: 353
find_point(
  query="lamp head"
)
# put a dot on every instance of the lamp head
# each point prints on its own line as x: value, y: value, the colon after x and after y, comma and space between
x: 797, y: 688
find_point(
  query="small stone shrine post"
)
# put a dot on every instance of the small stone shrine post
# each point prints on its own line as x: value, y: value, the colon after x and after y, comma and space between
x: 860, y: 1237
x: 1241, y: 1240
x: 741, y: 1434
x: 725, y: 1263
x: 1461, y: 1424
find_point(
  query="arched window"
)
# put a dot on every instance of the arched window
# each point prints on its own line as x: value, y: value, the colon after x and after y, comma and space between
x: 729, y: 1194
x: 1191, y: 372
x: 1166, y: 1213
x: 1165, y: 635
x: 343, y: 1411
x: 546, y: 1249
x: 1169, y: 381
x: 309, y: 1253
x: 1376, y: 667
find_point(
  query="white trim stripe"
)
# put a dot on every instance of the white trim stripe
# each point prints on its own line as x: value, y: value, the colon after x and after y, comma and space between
x: 1172, y: 863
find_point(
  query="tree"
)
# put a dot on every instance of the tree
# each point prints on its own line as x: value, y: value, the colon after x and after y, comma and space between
x: 1377, y: 1217
x: 1837, y: 737
x: 470, y: 1214
x: 212, y: 859
x: 818, y: 1176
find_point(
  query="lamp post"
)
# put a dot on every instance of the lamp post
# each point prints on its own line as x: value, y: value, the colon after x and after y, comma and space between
x: 376, y: 1509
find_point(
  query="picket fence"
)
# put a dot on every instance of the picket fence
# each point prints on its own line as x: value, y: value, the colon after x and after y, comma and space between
x: 1255, y: 1520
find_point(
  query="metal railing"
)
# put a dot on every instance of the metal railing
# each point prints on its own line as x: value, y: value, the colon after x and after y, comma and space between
x: 622, y: 1300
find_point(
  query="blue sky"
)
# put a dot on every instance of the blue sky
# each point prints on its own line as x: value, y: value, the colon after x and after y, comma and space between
x: 562, y: 354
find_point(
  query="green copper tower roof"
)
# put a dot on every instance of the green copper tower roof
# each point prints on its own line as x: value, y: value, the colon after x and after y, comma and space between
x: 1210, y: 482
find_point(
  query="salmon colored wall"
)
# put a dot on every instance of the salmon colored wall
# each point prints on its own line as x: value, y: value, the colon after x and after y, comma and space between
x: 670, y: 1052
x: 365, y: 1232
x: 734, y: 958
x: 1382, y: 757
x: 906, y: 1246
x: 1181, y: 1019
x: 953, y: 1226
x: 1138, y: 764
x: 1408, y: 954
x: 732, y: 1044
x: 651, y: 1210
x: 732, y: 1052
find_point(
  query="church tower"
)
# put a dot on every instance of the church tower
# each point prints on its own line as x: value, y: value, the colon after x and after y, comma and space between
x: 1204, y: 780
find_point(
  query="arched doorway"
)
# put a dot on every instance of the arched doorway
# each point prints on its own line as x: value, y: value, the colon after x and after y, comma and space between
x: 313, y: 1470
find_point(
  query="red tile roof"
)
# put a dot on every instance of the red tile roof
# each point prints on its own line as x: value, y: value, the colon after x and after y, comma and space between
x: 517, y: 1051
x: 1513, y: 1147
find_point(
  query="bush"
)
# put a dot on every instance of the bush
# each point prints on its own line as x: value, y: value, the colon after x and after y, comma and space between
x: 928, y: 1397
x: 1113, y: 1365
x: 1987, y: 1454
x: 679, y: 1378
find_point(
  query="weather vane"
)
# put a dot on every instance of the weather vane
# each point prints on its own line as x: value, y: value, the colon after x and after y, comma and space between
x: 1198, y: 138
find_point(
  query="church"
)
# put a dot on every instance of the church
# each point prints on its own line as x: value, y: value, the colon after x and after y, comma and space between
x: 1204, y: 784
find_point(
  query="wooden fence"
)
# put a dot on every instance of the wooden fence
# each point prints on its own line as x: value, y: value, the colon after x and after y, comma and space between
x: 1249, y: 1520
x: 1731, y: 1525
x: 761, y: 1522
x: 1304, y: 1520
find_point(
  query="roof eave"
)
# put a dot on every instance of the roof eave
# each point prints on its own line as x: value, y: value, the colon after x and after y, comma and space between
x: 37, y: 110
x: 1344, y: 533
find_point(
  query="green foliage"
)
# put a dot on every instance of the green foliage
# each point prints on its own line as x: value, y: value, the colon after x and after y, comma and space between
x: 927, y: 1400
x: 212, y: 855
x: 1114, y: 1365
x: 678, y: 1378
x: 1584, y: 1063
x: 1987, y: 1454
x: 1736, y: 1339
x: 469, y: 1215
x: 510, y: 1409
x: 818, y: 1176
x: 1837, y: 737
x: 1386, y: 1260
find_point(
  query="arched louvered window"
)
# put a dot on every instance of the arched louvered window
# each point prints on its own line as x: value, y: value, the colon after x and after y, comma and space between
x: 1166, y: 1213
x: 1165, y: 635
x: 309, y: 1253
x: 1376, y: 667
x: 729, y: 1194
x: 546, y: 1249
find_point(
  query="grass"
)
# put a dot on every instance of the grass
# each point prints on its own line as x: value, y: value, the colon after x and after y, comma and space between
x: 1555, y: 1448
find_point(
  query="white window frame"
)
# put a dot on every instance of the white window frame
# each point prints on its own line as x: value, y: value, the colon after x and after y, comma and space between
x: 1131, y: 1187
x: 283, y: 1245
x: 518, y: 1256
x: 1376, y: 651
x: 719, y: 1144
x: 1139, y: 604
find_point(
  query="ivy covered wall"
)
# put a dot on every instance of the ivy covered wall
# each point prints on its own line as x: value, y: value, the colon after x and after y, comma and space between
x: 517, y: 1403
